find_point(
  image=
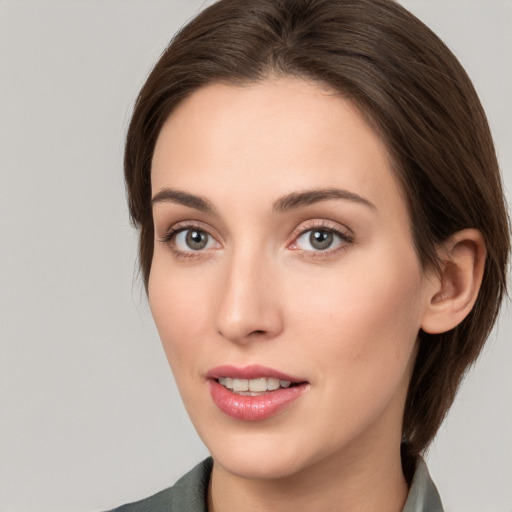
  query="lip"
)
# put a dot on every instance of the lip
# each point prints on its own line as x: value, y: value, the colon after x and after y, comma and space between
x: 253, y: 408
x: 252, y: 371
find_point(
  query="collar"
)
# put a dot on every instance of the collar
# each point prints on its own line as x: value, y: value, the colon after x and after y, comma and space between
x: 423, y: 495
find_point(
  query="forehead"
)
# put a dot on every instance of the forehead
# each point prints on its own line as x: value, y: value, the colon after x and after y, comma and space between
x: 267, y: 138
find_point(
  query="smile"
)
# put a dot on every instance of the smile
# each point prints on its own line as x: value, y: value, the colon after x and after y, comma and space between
x: 253, y: 393
x: 253, y: 387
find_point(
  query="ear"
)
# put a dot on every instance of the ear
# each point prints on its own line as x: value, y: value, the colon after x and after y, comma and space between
x: 455, y: 289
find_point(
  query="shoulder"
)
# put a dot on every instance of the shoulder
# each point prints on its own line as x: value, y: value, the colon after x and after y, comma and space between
x: 187, y: 494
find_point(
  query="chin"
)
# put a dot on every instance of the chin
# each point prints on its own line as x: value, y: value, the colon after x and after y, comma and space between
x: 261, y: 456
x: 256, y: 466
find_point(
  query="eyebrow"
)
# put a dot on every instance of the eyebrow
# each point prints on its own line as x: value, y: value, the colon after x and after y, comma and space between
x: 285, y: 203
x: 309, y: 197
x: 169, y: 195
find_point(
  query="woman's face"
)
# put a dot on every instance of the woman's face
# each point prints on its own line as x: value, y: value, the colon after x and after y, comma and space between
x: 283, y: 252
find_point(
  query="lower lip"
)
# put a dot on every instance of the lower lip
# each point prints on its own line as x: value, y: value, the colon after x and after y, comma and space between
x: 253, y: 408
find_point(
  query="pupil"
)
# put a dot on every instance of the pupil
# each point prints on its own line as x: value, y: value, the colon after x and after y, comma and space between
x: 196, y: 239
x: 321, y: 239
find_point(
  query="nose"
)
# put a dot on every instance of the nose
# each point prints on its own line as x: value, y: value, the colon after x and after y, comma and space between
x: 249, y: 305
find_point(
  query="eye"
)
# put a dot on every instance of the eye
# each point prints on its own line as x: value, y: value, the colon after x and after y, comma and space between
x: 320, y: 239
x: 193, y: 239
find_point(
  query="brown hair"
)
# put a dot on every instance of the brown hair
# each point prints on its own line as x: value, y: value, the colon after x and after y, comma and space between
x: 412, y: 90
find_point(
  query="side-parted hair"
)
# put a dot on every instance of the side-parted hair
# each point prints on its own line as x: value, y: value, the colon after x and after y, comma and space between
x: 411, y: 89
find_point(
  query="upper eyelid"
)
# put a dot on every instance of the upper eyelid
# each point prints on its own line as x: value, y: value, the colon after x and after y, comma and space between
x: 189, y: 224
x: 325, y: 224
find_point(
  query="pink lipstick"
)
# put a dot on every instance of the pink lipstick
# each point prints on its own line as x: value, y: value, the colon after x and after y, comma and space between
x: 254, y: 392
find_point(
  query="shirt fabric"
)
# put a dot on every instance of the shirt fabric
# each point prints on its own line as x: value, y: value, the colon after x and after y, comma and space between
x: 188, y: 494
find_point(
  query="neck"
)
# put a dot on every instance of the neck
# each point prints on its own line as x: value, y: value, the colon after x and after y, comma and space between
x: 339, y: 483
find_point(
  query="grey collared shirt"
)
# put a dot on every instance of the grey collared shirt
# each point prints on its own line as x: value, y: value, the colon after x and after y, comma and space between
x: 423, y: 495
x: 188, y: 494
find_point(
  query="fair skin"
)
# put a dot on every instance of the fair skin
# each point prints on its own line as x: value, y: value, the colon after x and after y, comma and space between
x: 326, y: 288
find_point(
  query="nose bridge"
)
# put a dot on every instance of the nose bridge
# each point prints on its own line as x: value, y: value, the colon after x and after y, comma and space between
x: 249, y: 305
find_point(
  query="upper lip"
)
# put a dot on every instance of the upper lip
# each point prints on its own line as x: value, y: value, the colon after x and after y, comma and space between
x: 253, y: 371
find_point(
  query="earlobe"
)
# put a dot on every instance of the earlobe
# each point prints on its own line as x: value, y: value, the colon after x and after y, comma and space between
x: 455, y: 289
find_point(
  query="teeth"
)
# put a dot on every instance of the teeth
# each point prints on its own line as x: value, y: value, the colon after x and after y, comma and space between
x: 240, y: 385
x: 260, y: 385
x: 272, y: 384
x: 227, y: 382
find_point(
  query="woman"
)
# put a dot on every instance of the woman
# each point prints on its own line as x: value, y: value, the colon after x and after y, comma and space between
x: 323, y: 241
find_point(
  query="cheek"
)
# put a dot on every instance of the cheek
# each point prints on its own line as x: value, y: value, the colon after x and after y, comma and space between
x: 363, y: 319
x: 177, y: 307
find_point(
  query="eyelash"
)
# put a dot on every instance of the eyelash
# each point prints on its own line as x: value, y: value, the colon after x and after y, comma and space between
x: 345, y: 235
x: 174, y: 231
x: 321, y: 225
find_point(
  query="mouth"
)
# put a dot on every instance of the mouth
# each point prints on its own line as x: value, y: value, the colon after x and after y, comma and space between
x: 253, y: 393
x: 254, y: 387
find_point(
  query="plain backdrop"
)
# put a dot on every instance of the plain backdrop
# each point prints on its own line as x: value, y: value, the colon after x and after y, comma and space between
x: 89, y: 414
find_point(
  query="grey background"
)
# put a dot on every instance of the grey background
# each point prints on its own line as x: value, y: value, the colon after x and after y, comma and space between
x: 89, y: 415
